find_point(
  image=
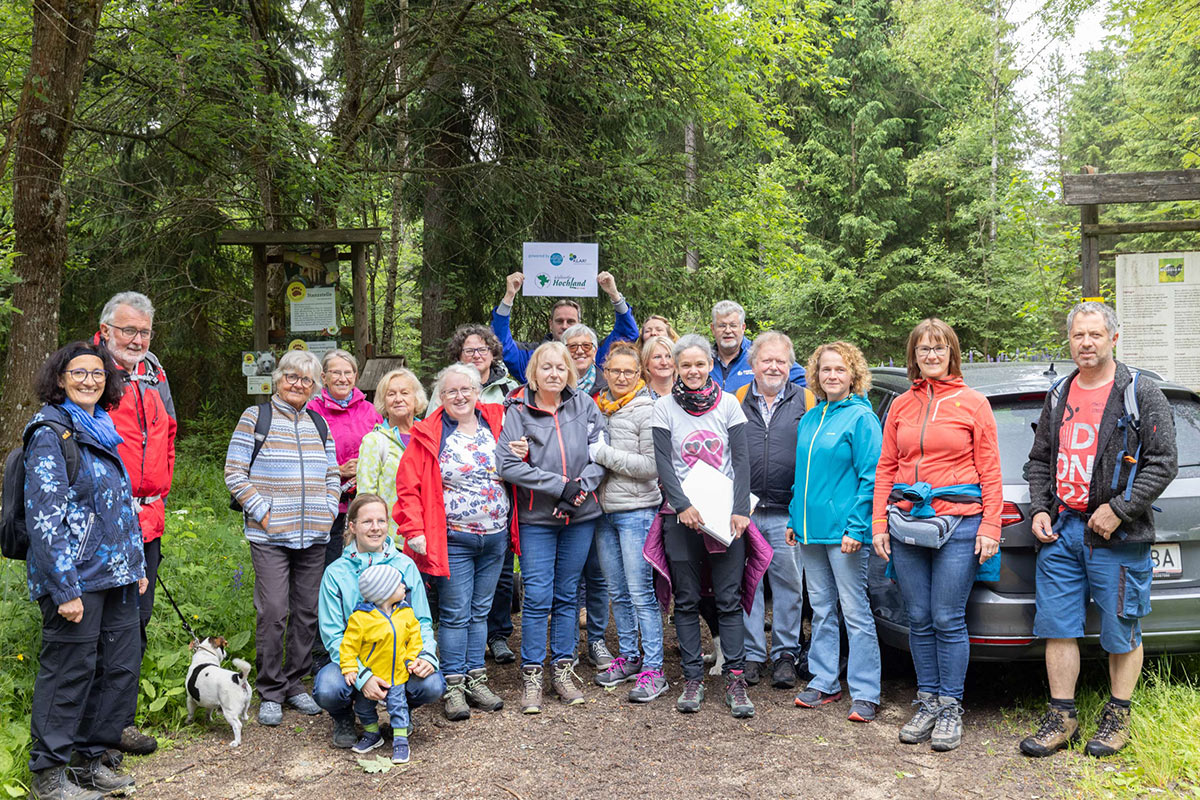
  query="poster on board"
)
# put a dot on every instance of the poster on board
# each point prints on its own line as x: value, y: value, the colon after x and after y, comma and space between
x: 560, y: 269
x: 1158, y: 305
x: 318, y: 348
x: 311, y: 308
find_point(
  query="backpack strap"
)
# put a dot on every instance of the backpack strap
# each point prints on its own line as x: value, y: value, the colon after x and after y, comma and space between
x: 262, y: 426
x: 1132, y: 418
x: 320, y: 423
x: 66, y: 440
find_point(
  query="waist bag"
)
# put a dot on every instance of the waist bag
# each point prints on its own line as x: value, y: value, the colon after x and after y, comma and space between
x: 920, y: 526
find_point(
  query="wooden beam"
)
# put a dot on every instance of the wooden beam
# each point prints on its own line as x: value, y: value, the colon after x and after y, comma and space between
x: 358, y: 279
x: 309, y: 237
x: 1089, y: 253
x: 1157, y: 226
x: 1131, y: 187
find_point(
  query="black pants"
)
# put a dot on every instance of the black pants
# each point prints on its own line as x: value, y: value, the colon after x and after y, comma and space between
x: 500, y: 624
x: 688, y: 557
x: 153, y: 551
x: 87, y: 672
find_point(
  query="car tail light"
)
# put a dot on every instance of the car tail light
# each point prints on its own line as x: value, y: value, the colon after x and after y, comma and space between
x: 1010, y: 514
x: 1003, y: 640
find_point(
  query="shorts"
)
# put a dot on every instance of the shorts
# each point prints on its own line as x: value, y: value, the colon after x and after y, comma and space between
x: 1116, y: 578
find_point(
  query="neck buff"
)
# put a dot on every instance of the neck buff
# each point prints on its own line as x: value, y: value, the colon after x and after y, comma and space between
x: 698, y: 401
x: 587, y: 380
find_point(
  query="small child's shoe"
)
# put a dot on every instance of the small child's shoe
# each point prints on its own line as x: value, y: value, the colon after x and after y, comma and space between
x: 400, y: 750
x: 369, y: 741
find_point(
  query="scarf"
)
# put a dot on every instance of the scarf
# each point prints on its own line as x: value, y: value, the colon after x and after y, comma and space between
x: 340, y: 403
x: 696, y: 402
x: 587, y: 380
x: 609, y: 406
x: 98, y: 424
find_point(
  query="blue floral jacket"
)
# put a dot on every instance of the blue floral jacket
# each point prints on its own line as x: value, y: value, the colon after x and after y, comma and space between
x: 83, y: 537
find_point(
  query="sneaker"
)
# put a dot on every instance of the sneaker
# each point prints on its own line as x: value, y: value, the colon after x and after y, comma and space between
x: 1056, y: 730
x: 693, y: 695
x: 753, y: 672
x: 783, y: 676
x: 270, y: 713
x: 736, y: 697
x: 920, y: 727
x: 501, y: 652
x: 400, y: 750
x: 650, y: 685
x: 566, y: 683
x: 598, y: 655
x: 531, y: 690
x: 91, y: 774
x: 455, y: 698
x: 479, y: 694
x: 55, y: 784
x: 304, y: 703
x: 620, y: 669
x: 1113, y: 732
x: 813, y: 698
x: 947, y: 731
x: 802, y: 671
x: 862, y: 711
x: 137, y: 743
x: 344, y: 735
x: 369, y: 741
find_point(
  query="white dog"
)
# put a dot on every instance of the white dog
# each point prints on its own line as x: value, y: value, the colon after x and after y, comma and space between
x: 209, y: 686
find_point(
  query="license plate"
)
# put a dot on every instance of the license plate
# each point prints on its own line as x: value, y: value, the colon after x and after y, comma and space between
x: 1167, y: 561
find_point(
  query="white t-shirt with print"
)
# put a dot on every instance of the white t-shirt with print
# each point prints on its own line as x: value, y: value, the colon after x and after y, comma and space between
x: 705, y: 437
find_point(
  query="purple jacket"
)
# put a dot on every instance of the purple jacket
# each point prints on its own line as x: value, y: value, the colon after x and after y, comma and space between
x: 347, y: 425
x: 758, y: 557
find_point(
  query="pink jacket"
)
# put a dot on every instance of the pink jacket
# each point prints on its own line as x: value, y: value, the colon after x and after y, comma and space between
x: 347, y: 425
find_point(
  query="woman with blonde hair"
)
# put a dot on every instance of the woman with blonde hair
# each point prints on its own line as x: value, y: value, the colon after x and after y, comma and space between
x: 658, y: 365
x: 401, y: 400
x: 656, y: 325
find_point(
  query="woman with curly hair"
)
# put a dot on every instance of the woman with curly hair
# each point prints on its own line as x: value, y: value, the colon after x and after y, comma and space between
x: 478, y: 346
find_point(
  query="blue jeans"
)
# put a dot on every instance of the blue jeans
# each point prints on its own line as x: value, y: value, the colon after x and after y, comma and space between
x: 593, y: 593
x: 332, y: 694
x: 397, y: 708
x: 499, y: 622
x: 785, y: 573
x: 466, y: 597
x: 620, y: 537
x: 935, y: 585
x: 835, y: 576
x: 552, y: 558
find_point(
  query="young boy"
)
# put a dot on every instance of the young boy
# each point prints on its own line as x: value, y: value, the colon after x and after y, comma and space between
x: 384, y: 636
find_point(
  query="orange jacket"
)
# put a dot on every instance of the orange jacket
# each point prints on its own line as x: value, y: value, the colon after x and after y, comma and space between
x: 943, y: 433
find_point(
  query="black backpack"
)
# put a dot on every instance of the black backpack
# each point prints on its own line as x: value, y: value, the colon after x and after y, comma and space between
x: 14, y: 536
x: 261, y: 427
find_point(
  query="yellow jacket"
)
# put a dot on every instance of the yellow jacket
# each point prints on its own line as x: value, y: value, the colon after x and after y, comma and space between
x: 384, y: 645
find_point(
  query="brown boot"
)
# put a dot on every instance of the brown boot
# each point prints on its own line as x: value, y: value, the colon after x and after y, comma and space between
x: 566, y: 683
x: 1113, y: 732
x: 531, y: 690
x: 1056, y: 730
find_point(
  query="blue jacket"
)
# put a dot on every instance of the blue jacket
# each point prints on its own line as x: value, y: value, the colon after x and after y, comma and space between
x: 837, y: 448
x: 516, y: 354
x: 83, y: 537
x: 739, y: 372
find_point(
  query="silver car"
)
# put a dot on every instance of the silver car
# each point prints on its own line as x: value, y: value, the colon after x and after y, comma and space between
x: 1000, y: 614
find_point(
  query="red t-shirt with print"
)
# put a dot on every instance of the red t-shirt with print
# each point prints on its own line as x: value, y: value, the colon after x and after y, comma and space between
x: 1077, y: 443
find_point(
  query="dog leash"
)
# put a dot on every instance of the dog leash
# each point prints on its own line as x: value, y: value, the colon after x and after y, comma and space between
x: 182, y: 618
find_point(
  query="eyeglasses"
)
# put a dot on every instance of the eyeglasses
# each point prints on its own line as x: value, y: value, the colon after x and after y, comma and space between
x: 937, y: 349
x: 586, y: 347
x: 457, y: 392
x: 298, y: 380
x: 81, y: 375
x: 471, y: 352
x: 133, y: 333
x: 341, y: 373
x: 728, y: 326
x: 622, y: 373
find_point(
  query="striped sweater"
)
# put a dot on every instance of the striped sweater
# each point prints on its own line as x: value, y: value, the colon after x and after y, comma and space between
x: 294, y: 478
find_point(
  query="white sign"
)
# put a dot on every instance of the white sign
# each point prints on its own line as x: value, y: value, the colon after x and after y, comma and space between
x: 317, y: 348
x: 258, y: 385
x: 258, y: 363
x: 560, y: 269
x: 1158, y: 304
x: 312, y: 309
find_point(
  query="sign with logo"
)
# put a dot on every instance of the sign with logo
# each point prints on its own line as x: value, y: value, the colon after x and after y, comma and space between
x: 1158, y: 305
x: 317, y: 348
x: 312, y: 308
x: 560, y: 269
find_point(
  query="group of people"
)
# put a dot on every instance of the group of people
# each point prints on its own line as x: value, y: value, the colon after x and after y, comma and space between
x: 374, y: 525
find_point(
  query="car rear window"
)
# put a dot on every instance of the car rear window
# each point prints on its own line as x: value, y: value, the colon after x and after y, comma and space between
x: 1187, y: 435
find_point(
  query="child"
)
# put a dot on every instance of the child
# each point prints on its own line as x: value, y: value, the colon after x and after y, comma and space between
x: 384, y: 636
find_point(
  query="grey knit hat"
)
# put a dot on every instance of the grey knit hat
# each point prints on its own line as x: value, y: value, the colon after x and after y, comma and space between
x: 378, y: 582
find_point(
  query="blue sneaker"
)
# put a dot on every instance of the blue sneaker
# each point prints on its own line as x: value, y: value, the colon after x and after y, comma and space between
x: 369, y: 741
x: 400, y: 750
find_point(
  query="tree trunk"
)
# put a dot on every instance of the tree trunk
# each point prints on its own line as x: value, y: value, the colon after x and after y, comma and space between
x: 63, y: 31
x: 691, y: 176
x: 399, y: 235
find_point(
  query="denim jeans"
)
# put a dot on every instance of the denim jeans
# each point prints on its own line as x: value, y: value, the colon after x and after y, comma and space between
x: 593, y: 594
x: 332, y: 694
x: 620, y: 537
x: 466, y: 597
x: 499, y: 621
x: 833, y: 577
x: 935, y: 585
x: 785, y: 574
x: 397, y: 708
x: 552, y: 558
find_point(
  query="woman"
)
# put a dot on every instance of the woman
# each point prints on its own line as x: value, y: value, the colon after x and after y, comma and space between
x: 582, y: 344
x: 630, y: 499
x: 368, y: 543
x: 658, y: 365
x: 657, y: 326
x: 350, y: 417
x: 400, y: 398
x: 289, y: 496
x: 85, y: 569
x: 453, y: 515
x: 698, y: 421
x: 837, y: 448
x: 557, y: 512
x: 478, y: 346
x: 939, y: 452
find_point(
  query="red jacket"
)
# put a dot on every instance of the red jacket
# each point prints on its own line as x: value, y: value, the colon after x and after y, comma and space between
x: 942, y: 433
x: 145, y: 418
x: 420, y: 506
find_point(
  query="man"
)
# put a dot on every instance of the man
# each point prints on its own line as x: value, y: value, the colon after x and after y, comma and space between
x: 563, y: 315
x: 1095, y: 539
x: 145, y: 419
x: 731, y: 351
x: 773, y: 409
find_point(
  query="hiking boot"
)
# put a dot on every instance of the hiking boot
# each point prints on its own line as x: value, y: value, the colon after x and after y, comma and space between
x: 783, y: 676
x: 1113, y: 732
x: 478, y: 692
x: 735, y: 696
x: 89, y: 773
x: 501, y: 652
x: 55, y: 784
x: 455, y: 698
x: 802, y: 671
x: 815, y: 698
x: 920, y: 727
x: 620, y: 669
x: 598, y: 655
x: 566, y: 683
x: 650, y: 685
x: 304, y: 703
x: 947, y: 730
x: 113, y: 759
x: 753, y: 672
x: 531, y: 690
x: 137, y: 743
x: 693, y: 695
x: 1056, y: 730
x: 344, y: 735
x: 270, y: 713
x: 400, y: 750
x: 369, y: 741
x: 862, y: 711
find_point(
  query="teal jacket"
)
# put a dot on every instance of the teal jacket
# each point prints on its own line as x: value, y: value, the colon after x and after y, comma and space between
x: 837, y: 448
x: 340, y: 596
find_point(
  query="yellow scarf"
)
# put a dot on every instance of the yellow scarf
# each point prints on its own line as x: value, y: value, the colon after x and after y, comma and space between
x: 608, y: 406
